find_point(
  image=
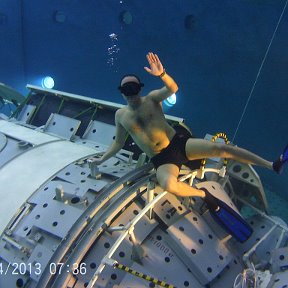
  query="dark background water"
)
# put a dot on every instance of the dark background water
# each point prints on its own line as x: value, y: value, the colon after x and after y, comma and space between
x: 215, y: 60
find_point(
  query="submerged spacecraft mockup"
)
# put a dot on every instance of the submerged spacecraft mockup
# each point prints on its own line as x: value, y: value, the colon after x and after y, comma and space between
x: 66, y: 222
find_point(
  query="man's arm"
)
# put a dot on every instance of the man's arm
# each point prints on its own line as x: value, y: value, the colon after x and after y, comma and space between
x: 118, y: 142
x: 156, y: 69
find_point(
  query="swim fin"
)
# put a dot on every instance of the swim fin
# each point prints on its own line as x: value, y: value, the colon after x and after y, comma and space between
x: 228, y: 218
x: 279, y: 163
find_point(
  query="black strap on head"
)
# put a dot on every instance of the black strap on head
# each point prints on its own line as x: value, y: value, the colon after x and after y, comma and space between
x: 131, y: 75
x: 130, y: 88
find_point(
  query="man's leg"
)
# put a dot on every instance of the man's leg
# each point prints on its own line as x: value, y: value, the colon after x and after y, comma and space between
x: 200, y: 148
x: 167, y: 176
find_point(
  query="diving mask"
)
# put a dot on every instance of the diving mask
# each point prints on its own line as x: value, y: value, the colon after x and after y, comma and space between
x: 130, y: 88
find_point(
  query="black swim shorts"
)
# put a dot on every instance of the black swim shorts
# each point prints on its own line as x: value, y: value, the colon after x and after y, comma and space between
x: 174, y: 153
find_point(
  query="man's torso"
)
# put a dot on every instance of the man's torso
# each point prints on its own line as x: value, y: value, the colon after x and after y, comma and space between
x: 147, y: 126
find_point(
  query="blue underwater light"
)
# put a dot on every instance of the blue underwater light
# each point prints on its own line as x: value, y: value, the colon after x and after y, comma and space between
x: 171, y: 100
x: 48, y: 82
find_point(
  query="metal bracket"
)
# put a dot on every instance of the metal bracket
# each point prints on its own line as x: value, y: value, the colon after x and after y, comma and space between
x: 62, y: 126
x: 26, y: 113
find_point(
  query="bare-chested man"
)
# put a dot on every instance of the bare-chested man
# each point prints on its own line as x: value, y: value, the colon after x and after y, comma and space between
x: 144, y: 120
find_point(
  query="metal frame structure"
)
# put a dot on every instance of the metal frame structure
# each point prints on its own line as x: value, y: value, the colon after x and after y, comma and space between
x: 70, y: 223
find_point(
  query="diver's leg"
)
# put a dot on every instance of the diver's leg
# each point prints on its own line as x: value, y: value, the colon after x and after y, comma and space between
x: 200, y: 148
x: 167, y: 176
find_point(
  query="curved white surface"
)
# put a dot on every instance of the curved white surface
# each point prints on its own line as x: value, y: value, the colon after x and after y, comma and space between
x: 24, y: 174
x: 22, y: 133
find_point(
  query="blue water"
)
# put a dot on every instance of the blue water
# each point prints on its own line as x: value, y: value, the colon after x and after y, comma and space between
x: 277, y: 205
x: 215, y: 60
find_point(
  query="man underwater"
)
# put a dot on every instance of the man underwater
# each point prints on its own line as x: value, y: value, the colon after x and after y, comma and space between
x: 144, y: 120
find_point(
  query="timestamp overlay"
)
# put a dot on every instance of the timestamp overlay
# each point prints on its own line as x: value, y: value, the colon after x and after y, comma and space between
x: 20, y: 268
x: 60, y: 268
x: 35, y: 268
